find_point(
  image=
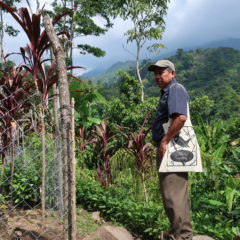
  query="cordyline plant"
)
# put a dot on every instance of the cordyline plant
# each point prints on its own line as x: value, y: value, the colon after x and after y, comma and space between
x: 38, y: 43
x: 33, y: 57
x: 142, y: 151
x: 85, y: 140
x: 104, y: 136
x: 16, y: 87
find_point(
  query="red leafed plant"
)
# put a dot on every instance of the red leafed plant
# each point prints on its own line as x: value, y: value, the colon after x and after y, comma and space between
x: 142, y: 151
x: 38, y: 43
x: 14, y: 103
x: 34, y: 63
x: 104, y: 136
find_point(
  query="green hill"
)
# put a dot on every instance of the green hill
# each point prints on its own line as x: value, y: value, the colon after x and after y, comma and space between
x: 212, y: 72
x: 110, y: 74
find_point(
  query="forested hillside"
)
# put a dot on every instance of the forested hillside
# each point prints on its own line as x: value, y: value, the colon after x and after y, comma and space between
x: 211, y: 72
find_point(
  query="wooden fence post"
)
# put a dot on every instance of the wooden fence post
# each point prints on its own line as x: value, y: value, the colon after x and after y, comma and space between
x: 72, y: 174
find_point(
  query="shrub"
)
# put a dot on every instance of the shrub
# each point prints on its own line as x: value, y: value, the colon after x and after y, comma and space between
x: 146, y: 219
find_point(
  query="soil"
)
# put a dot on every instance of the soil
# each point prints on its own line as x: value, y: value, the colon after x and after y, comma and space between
x: 28, y: 225
x: 20, y: 224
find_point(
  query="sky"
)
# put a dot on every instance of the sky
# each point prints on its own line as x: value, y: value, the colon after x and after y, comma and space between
x: 188, y: 23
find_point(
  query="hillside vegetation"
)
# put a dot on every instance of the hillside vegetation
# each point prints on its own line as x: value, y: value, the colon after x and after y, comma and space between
x: 212, y: 72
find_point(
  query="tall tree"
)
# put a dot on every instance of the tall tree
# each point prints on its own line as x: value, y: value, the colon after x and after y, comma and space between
x: 147, y: 17
x: 80, y: 22
x: 5, y: 28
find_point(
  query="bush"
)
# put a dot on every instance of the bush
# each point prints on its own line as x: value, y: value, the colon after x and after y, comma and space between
x: 25, y: 189
x: 146, y: 219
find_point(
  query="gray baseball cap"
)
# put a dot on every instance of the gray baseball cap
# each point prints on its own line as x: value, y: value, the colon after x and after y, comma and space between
x: 162, y: 64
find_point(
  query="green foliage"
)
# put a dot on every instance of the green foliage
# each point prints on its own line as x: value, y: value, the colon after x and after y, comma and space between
x: 10, y: 30
x: 147, y: 17
x: 229, y: 98
x: 129, y: 89
x: 126, y: 176
x: 25, y: 191
x: 231, y: 191
x: 133, y: 116
x: 201, y: 107
x: 219, y: 222
x: 213, y: 141
x: 87, y: 100
x: 215, y: 192
x: 26, y: 187
x: 85, y: 48
x: 142, y: 218
x: 80, y: 21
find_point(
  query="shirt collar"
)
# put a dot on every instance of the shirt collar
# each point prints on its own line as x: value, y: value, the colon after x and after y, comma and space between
x: 165, y: 89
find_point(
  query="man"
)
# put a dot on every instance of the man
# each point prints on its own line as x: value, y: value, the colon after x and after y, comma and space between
x: 174, y: 186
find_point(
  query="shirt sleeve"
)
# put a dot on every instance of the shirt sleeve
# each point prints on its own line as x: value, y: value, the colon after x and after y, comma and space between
x: 177, y: 100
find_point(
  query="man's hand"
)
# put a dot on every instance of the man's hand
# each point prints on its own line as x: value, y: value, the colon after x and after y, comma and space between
x: 176, y: 125
x: 162, y: 148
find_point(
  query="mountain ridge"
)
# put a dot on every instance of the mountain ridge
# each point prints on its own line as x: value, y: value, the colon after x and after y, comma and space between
x: 105, y: 75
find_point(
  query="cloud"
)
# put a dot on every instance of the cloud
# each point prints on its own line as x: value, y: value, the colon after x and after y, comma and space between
x: 200, y: 21
x: 188, y: 23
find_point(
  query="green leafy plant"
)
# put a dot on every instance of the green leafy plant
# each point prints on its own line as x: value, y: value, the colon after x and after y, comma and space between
x: 145, y: 219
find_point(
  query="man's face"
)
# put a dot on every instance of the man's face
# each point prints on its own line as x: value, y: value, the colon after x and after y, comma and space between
x: 163, y: 76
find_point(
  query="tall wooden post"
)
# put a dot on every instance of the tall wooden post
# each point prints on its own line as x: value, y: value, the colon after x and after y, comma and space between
x: 57, y: 141
x: 65, y: 109
x: 72, y: 174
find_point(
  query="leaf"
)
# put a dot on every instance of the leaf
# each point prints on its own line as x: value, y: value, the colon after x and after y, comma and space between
x: 229, y: 192
x: 94, y: 120
x: 216, y: 203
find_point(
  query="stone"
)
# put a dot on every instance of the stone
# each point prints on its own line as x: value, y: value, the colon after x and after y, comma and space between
x: 96, y: 217
x: 202, y: 237
x: 110, y: 233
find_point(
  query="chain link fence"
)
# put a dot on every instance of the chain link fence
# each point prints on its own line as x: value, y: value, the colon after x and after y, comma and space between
x: 26, y: 213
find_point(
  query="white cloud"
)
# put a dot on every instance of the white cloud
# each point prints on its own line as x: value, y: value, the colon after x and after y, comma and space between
x: 188, y: 23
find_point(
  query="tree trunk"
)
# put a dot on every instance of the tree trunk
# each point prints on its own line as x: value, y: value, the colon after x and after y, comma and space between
x: 72, y: 33
x: 1, y: 36
x: 57, y: 141
x: 65, y: 116
x: 138, y: 71
x: 66, y: 43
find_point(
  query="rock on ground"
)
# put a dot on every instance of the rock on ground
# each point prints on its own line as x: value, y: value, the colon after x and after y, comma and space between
x: 202, y: 237
x: 96, y: 217
x: 110, y: 233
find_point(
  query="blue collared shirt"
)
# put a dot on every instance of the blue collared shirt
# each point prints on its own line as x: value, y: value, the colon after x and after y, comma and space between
x: 173, y: 100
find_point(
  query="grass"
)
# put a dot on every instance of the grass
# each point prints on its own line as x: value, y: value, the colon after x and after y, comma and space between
x: 85, y: 223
